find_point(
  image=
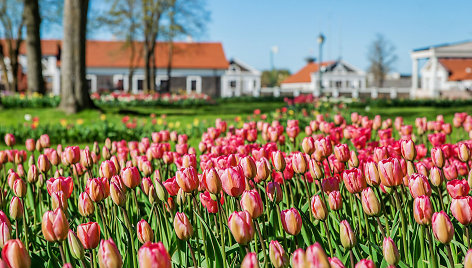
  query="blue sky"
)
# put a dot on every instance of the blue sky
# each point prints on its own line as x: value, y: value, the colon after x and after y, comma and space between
x: 249, y: 28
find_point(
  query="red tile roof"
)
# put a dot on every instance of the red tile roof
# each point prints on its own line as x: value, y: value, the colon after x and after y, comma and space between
x: 304, y: 75
x: 114, y: 54
x: 459, y: 69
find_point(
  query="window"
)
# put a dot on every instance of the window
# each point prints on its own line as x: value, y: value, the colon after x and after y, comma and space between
x: 140, y: 84
x: 89, y: 84
x: 338, y: 84
x: 194, y: 84
x: 232, y: 84
x: 255, y: 84
x: 119, y: 84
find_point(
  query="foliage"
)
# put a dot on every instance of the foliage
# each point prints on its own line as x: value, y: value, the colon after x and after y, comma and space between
x: 272, y: 78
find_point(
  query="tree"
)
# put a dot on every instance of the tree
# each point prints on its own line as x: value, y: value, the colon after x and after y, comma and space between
x: 74, y: 89
x: 125, y: 14
x: 12, y: 22
x: 381, y: 57
x: 272, y: 78
x: 33, y: 46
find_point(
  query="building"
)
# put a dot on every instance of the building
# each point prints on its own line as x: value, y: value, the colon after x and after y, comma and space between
x: 199, y: 67
x: 447, y: 71
x: 336, y: 76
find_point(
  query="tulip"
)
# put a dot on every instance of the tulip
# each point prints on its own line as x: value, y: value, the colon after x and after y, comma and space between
x: 58, y: 200
x: 187, y: 179
x: 347, y: 235
x: 308, y: 145
x: 182, y: 226
x: 336, y: 263
x: 55, y: 225
x: 370, y: 202
x: 131, y: 177
x: 43, y: 163
x: 277, y: 255
x: 365, y: 263
x: 467, y: 259
x: 299, y: 163
x: 241, y: 226
x: 85, y: 206
x: 390, y: 251
x: 211, y: 181
x: 435, y: 176
x: 108, y: 255
x: 371, y: 174
x: 437, y: 156
x: 153, y: 255
x: 33, y: 174
x: 66, y: 185
x: 89, y: 234
x: 408, y: 149
x: 418, y: 184
x: 278, y: 160
x: 19, y: 188
x: 250, y: 261
x: 15, y: 255
x: 107, y: 169
x: 251, y: 201
x: 335, y: 200
x: 390, y: 172
x: 97, y: 189
x: 457, y: 188
x: 72, y: 154
x: 341, y: 151
x: 117, y: 191
x: 291, y: 221
x: 207, y: 202
x: 464, y: 152
x: 315, y: 169
x: 442, y: 226
x: 354, y: 180
x: 422, y: 210
x: 263, y: 169
x: 10, y: 140
x: 316, y: 256
x: 461, y: 209
x: 75, y: 246
x: 4, y: 234
x: 318, y: 208
x: 233, y: 181
x: 299, y: 259
x: 16, y: 208
x: 145, y: 232
x: 249, y: 167
x: 274, y: 191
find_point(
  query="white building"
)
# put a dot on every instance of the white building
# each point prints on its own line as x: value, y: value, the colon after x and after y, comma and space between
x: 336, y: 76
x: 199, y: 67
x: 447, y: 71
x: 240, y: 79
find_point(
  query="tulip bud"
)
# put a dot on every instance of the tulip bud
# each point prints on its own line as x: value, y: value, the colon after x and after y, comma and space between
x: 299, y: 163
x: 291, y: 221
x: 250, y: 261
x: 418, y: 185
x: 318, y: 208
x: 4, y: 234
x: 390, y: 251
x: 442, y: 226
x: 19, y: 188
x: 130, y: 177
x: 10, y: 140
x: 464, y: 152
x: 233, y: 181
x: 107, y: 169
x: 278, y: 160
x: 89, y: 234
x: 461, y: 209
x: 370, y: 202
x: 354, y: 180
x: 248, y: 166
x: 437, y: 156
x: 30, y: 145
x: 55, y: 225
x: 308, y: 145
x: 408, y: 149
x: 467, y: 259
x: 347, y: 235
x: 241, y: 226
x: 43, y: 163
x: 85, y: 206
x: 422, y: 210
x: 274, y: 191
x: 371, y: 174
x: 457, y: 188
x: 118, y: 191
x: 187, y: 179
x: 263, y: 169
x: 299, y: 259
x: 75, y: 246
x: 341, y: 151
x: 181, y: 197
x: 316, y: 256
x: 277, y: 255
x: 315, y: 169
x: 335, y: 200
x: 145, y: 232
x: 251, y: 201
x: 353, y: 160
x: 32, y: 174
x: 153, y: 255
x: 15, y: 255
x: 108, y: 255
x: 435, y: 176
x: 366, y: 263
x: 16, y: 208
x: 212, y: 181
x: 58, y: 200
x: 390, y: 172
x: 98, y: 189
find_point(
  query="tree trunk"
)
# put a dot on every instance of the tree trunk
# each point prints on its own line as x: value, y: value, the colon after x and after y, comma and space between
x: 169, y: 66
x: 6, y: 82
x: 68, y: 102
x: 153, y: 71
x: 14, y: 69
x: 147, y: 66
x: 33, y: 46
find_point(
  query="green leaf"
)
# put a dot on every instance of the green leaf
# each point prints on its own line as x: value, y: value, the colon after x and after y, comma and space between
x: 214, y: 243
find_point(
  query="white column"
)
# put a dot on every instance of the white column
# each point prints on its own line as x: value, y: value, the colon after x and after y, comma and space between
x: 56, y: 82
x: 335, y: 92
x: 355, y: 93
x: 414, y: 77
x: 276, y: 91
x: 374, y: 93
x: 434, y: 67
x: 393, y: 93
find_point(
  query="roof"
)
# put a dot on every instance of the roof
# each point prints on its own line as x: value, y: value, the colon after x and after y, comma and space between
x: 244, y: 67
x: 115, y: 54
x: 459, y: 69
x: 443, y: 45
x: 304, y: 75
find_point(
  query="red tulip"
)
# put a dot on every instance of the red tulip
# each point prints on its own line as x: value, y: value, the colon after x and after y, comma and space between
x: 291, y: 221
x: 318, y: 208
x: 144, y: 231
x: 250, y: 261
x: 233, y: 181
x: 423, y: 210
x: 55, y: 225
x: 442, y: 226
x: 182, y: 226
x: 154, y: 255
x: 274, y: 191
x: 335, y: 200
x: 97, y: 189
x: 10, y: 140
x: 336, y: 263
x: 418, y: 184
x: 461, y: 209
x: 450, y: 172
x: 108, y: 255
x: 241, y: 226
x: 85, y: 206
x: 66, y: 185
x: 458, y: 188
x: 341, y: 151
x: 15, y: 255
x: 89, y: 234
x: 354, y: 180
x: 277, y: 255
x: 130, y: 177
x: 390, y: 172
x: 207, y: 202
x: 251, y: 202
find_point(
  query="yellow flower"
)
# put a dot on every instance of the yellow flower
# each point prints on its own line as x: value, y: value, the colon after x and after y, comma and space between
x: 291, y: 112
x: 177, y: 124
x: 189, y: 126
x: 159, y: 121
x: 35, y: 124
x: 103, y: 117
x: 22, y: 96
x: 63, y: 122
x: 196, y: 122
x: 171, y: 125
x: 80, y: 121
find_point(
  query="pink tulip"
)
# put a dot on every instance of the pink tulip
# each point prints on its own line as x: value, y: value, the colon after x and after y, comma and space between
x: 153, y: 255
x: 89, y: 234
x: 291, y: 221
x: 233, y: 181
x: 241, y: 226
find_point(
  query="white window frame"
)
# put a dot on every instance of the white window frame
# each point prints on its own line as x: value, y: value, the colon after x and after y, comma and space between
x: 135, y: 82
x: 198, y: 80
x: 160, y: 78
x: 93, y: 81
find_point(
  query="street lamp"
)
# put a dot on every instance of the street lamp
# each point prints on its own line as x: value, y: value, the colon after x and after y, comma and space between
x: 320, y: 40
x: 273, y: 50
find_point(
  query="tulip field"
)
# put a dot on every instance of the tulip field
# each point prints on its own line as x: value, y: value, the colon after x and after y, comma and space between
x: 287, y: 188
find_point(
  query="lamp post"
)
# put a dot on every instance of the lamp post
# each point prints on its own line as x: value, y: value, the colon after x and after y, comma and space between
x: 320, y: 40
x: 273, y: 50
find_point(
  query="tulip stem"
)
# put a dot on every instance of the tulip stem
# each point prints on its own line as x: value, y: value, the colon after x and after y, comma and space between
x: 25, y: 229
x: 402, y: 218
x: 351, y: 256
x: 136, y: 201
x: 193, y: 254
x: 262, y: 241
x: 61, y: 249
x: 431, y: 249
x: 380, y: 226
x: 467, y: 233
x: 131, y: 240
x: 440, y: 198
x: 328, y: 236
x: 222, y: 236
x: 422, y: 245
x: 449, y: 255
x: 102, y: 215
